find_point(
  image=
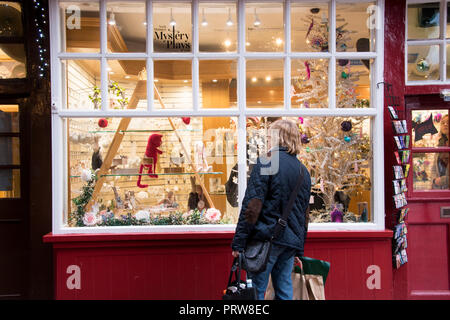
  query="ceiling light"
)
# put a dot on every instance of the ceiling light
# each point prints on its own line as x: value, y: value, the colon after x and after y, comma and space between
x: 172, y: 20
x: 112, y: 19
x: 144, y: 23
x: 229, y: 21
x: 214, y: 80
x: 204, y: 22
x: 268, y: 78
x: 257, y: 22
x: 254, y: 79
x: 156, y: 80
x: 185, y: 81
x: 227, y: 43
x: 127, y: 77
x: 278, y: 41
x: 247, y: 44
x: 109, y: 69
x: 111, y: 72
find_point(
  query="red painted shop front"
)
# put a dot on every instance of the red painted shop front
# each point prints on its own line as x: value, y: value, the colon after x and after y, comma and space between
x: 426, y: 275
x: 195, y: 265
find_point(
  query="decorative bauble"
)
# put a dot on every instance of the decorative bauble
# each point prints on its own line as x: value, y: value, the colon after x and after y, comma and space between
x: 344, y: 75
x: 307, y: 149
x: 346, y: 126
x: 186, y: 120
x: 102, y: 123
x: 347, y: 139
x: 305, y: 139
x: 300, y: 119
x: 343, y: 62
x: 423, y: 65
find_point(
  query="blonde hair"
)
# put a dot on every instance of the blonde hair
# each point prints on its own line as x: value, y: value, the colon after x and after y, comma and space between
x: 288, y: 135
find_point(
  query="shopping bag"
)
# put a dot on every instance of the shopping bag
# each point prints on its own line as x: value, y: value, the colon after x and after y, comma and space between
x: 308, y: 280
x: 238, y: 289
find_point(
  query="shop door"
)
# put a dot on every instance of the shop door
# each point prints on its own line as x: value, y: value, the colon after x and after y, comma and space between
x: 429, y: 198
x: 13, y: 203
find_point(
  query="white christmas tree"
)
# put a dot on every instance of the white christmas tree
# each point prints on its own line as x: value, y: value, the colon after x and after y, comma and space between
x: 336, y: 150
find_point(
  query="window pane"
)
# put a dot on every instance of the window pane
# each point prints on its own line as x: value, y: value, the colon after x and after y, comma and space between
x: 81, y: 26
x: 355, y: 26
x: 127, y: 26
x: 423, y: 20
x: 430, y: 171
x: 309, y: 26
x: 127, y: 77
x: 339, y: 162
x: 172, y: 27
x: 264, y: 87
x: 429, y: 128
x: 448, y: 60
x: 218, y: 83
x: 12, y: 61
x: 353, y: 83
x: 264, y: 27
x: 11, y: 19
x: 173, y: 79
x: 129, y: 195
x: 9, y: 183
x: 309, y: 83
x: 82, y: 84
x: 9, y: 150
x: 423, y: 63
x: 9, y: 118
x: 217, y: 27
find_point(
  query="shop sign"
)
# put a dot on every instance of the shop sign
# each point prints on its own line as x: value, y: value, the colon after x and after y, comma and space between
x: 170, y: 38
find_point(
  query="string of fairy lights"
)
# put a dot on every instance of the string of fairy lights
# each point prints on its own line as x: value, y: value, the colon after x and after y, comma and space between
x: 40, y: 21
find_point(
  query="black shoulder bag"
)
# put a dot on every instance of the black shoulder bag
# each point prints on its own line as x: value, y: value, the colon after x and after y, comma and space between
x: 257, y: 251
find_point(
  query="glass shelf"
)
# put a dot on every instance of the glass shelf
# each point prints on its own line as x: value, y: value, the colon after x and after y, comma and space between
x: 159, y: 174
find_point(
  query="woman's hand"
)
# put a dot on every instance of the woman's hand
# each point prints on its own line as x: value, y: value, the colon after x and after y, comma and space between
x: 235, y: 254
x: 298, y: 261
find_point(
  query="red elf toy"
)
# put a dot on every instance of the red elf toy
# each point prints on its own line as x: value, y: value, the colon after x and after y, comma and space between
x: 151, y: 158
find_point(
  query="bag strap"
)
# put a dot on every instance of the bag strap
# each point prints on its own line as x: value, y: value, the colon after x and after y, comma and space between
x: 236, y: 269
x: 282, y: 222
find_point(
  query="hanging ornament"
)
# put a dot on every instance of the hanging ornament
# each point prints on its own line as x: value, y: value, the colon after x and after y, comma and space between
x: 102, y: 123
x: 308, y: 71
x: 346, y: 126
x: 344, y: 75
x: 343, y: 62
x: 310, y: 28
x: 186, y: 120
x: 308, y: 150
x: 347, y: 139
x: 305, y: 139
x: 423, y: 65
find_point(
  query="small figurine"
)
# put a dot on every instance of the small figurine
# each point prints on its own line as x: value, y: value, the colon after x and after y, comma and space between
x: 151, y: 154
x: 336, y: 215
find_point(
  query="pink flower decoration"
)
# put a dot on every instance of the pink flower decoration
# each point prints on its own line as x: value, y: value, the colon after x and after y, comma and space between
x: 300, y: 119
x: 212, y: 214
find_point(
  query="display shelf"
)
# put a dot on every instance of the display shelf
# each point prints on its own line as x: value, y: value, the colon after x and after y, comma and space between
x: 159, y: 174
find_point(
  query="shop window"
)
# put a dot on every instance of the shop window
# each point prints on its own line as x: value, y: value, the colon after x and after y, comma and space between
x: 427, y: 42
x: 205, y: 79
x: 9, y: 152
x: 430, y: 149
x: 12, y: 51
x: 339, y: 162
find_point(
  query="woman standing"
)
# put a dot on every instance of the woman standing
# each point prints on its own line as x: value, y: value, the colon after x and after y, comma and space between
x: 271, y: 183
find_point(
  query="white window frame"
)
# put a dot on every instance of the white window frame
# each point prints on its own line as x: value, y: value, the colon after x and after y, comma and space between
x: 59, y: 156
x: 442, y: 42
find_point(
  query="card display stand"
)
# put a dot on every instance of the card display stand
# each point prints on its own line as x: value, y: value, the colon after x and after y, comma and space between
x: 402, y: 154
